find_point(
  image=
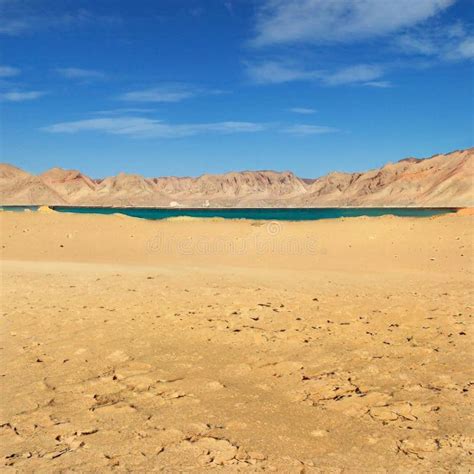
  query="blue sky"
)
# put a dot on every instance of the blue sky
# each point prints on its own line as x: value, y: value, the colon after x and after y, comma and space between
x: 184, y: 87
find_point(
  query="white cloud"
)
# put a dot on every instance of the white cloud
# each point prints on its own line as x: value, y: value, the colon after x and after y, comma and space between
x: 324, y: 21
x: 274, y: 72
x: 360, y: 73
x: 8, y: 71
x: 465, y: 49
x: 410, y: 27
x: 16, y: 96
x: 22, y: 17
x: 378, y: 84
x: 415, y: 45
x: 142, y: 127
x: 303, y: 110
x: 303, y: 129
x: 173, y: 92
x: 449, y: 43
x: 166, y: 93
x: 80, y: 74
x: 125, y: 111
x: 139, y: 127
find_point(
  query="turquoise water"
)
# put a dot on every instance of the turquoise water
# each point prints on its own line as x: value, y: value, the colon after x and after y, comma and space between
x: 298, y: 214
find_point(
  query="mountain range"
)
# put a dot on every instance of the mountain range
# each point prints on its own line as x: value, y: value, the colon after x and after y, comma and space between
x: 444, y: 180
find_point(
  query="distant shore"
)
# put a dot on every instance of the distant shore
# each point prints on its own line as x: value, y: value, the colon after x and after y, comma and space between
x: 265, y: 214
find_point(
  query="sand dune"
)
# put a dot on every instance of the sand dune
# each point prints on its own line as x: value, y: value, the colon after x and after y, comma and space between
x: 439, y: 181
x: 329, y: 346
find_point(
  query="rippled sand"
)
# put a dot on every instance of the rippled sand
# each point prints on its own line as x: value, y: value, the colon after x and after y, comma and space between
x: 329, y: 346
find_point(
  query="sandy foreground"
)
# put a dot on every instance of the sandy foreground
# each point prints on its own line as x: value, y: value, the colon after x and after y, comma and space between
x: 188, y: 345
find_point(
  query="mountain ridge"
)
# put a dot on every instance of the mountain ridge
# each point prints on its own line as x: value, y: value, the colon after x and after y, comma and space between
x: 442, y: 180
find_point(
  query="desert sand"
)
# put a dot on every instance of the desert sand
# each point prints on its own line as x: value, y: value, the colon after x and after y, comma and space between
x: 187, y: 345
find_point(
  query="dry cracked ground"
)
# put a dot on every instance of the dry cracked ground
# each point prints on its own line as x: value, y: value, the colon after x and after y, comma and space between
x: 192, y: 368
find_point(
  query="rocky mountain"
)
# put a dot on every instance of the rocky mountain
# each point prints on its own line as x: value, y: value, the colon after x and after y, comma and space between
x: 19, y: 187
x: 439, y: 181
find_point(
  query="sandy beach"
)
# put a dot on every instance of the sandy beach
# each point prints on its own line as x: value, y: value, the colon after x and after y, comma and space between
x: 187, y: 345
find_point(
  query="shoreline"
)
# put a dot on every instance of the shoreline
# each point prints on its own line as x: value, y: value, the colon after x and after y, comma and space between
x: 184, y: 208
x: 252, y: 215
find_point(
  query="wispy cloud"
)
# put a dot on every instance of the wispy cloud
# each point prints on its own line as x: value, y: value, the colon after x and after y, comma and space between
x: 465, y: 49
x: 274, y: 72
x: 359, y: 73
x: 302, y: 110
x: 412, y: 28
x: 15, y: 96
x: 139, y: 127
x: 173, y: 92
x: 322, y: 21
x: 125, y: 111
x: 26, y: 17
x: 143, y: 127
x: 12, y: 27
x: 304, y: 129
x: 379, y: 84
x: 80, y: 74
x: 277, y: 72
x: 164, y: 93
x: 8, y: 71
x: 447, y: 43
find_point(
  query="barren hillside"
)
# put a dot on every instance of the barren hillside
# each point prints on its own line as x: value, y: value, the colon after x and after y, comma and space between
x: 440, y: 181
